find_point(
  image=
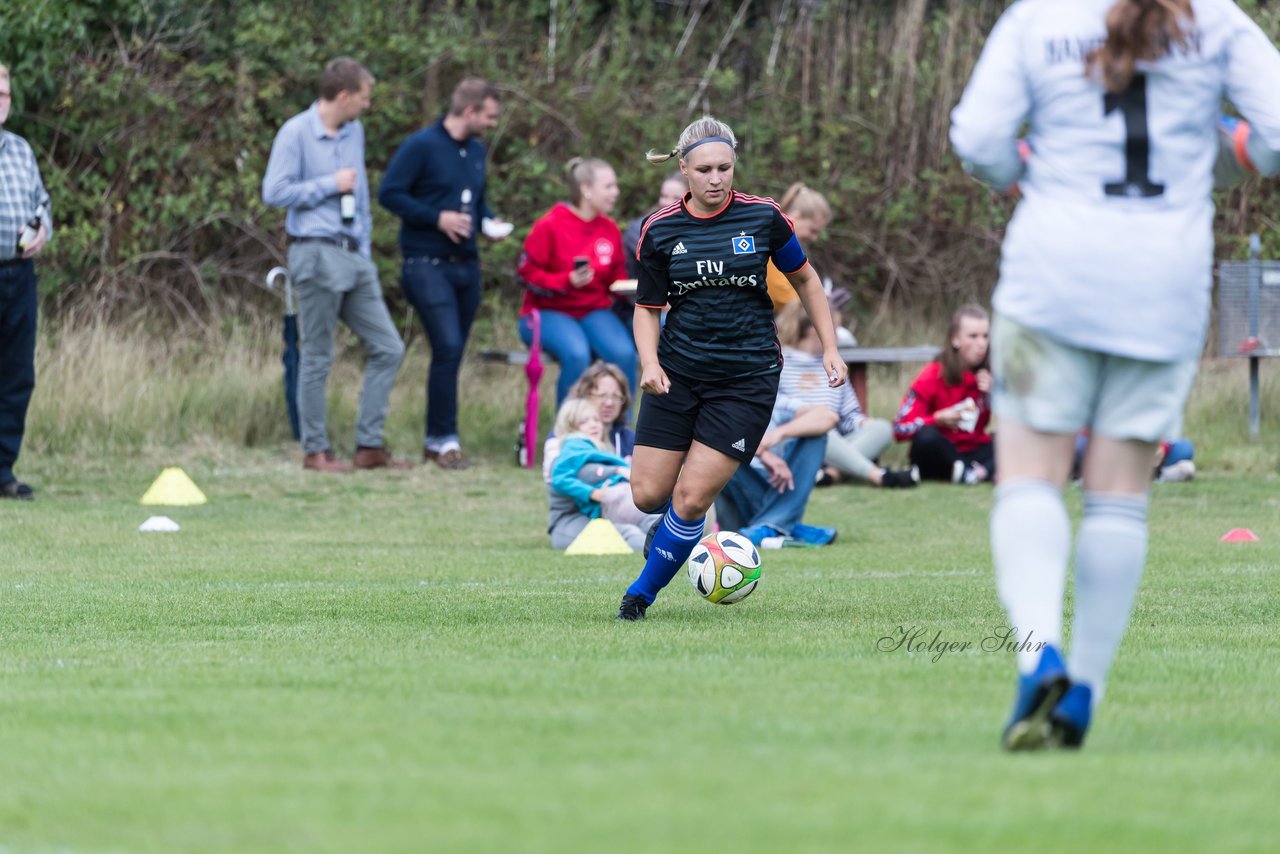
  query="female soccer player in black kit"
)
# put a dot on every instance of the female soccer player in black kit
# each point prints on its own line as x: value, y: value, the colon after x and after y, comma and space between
x: 710, y: 375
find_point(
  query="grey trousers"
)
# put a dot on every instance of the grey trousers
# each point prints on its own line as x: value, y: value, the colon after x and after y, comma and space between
x: 333, y: 284
x: 855, y: 453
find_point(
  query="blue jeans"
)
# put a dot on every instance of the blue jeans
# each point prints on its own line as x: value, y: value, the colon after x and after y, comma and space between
x: 17, y: 359
x: 573, y: 342
x: 1179, y: 450
x: 748, y: 499
x: 446, y: 295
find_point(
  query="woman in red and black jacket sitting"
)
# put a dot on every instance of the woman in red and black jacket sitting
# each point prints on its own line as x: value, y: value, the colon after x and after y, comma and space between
x: 947, y: 409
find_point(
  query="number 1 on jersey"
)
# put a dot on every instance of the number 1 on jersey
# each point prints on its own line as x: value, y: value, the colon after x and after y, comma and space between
x: 1132, y: 103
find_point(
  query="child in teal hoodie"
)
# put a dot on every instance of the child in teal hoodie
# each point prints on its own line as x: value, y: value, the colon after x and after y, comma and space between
x: 588, y: 481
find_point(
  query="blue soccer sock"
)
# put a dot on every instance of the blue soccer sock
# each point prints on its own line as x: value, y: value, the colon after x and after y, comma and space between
x: 672, y: 543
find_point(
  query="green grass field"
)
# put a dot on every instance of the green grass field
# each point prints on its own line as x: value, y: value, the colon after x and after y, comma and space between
x: 383, y: 662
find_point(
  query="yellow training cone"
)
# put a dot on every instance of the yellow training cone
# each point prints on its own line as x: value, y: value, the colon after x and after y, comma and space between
x: 599, y: 538
x: 174, y: 489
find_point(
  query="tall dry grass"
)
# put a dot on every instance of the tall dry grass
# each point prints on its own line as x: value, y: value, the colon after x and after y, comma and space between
x: 105, y: 390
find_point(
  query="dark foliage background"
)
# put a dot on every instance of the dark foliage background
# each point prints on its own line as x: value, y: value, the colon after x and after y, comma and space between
x: 153, y: 120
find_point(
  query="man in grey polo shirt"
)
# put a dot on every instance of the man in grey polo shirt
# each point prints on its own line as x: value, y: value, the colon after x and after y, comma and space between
x: 316, y: 171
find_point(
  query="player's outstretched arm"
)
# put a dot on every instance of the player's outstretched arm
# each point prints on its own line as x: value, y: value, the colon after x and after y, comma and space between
x: 995, y: 105
x: 1241, y: 153
x: 1252, y: 81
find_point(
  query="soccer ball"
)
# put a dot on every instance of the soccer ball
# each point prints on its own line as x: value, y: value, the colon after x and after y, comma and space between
x: 724, y: 568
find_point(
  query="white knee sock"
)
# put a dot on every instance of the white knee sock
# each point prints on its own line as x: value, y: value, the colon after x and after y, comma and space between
x: 1111, y: 552
x: 1030, y: 544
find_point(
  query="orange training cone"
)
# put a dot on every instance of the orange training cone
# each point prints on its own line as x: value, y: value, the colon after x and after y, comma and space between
x: 1239, y: 535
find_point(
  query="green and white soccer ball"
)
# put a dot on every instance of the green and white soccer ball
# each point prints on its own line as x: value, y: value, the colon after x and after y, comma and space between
x: 724, y: 568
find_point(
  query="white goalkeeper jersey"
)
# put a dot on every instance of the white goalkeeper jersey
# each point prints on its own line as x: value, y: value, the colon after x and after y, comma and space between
x: 1111, y: 246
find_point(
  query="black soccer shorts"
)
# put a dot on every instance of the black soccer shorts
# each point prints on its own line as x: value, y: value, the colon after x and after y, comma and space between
x: 730, y: 416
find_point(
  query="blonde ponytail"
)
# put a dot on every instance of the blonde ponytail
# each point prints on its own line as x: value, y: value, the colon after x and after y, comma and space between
x: 705, y: 128
x: 661, y: 157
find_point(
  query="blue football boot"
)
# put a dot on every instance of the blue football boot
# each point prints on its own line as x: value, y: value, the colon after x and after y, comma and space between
x: 1070, y: 719
x: 1038, y: 694
x: 813, y: 535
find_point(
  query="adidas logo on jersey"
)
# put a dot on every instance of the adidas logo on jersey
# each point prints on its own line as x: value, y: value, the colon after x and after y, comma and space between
x: 740, y: 445
x: 680, y: 250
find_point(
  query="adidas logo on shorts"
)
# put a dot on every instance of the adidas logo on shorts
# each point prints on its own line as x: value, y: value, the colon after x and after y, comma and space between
x: 680, y: 250
x: 740, y: 445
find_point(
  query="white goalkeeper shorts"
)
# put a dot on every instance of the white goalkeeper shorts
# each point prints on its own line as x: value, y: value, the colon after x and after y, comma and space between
x: 1053, y: 387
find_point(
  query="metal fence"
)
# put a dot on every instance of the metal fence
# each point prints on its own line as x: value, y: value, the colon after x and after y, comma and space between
x: 1249, y: 315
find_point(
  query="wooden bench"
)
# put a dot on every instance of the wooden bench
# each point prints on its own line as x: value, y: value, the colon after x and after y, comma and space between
x: 858, y: 358
x: 506, y: 357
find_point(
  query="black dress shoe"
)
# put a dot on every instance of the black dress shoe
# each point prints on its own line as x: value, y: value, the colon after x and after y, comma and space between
x: 17, y: 490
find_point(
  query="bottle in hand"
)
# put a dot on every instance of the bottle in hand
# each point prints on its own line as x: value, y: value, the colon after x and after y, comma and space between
x: 466, y: 202
x: 347, y: 204
x: 29, y: 231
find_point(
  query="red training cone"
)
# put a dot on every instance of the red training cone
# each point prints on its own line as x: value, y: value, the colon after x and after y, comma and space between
x: 1239, y: 535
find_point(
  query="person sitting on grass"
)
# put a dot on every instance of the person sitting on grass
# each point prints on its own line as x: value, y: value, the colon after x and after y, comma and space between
x: 946, y: 411
x: 605, y: 385
x: 766, y: 499
x: 1174, y: 459
x: 856, y: 441
x: 588, y: 481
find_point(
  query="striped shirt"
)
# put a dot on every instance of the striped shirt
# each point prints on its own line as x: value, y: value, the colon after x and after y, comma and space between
x: 21, y: 193
x: 711, y: 270
x: 804, y: 383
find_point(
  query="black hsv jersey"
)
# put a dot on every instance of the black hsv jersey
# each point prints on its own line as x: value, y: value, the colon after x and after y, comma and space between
x: 711, y: 270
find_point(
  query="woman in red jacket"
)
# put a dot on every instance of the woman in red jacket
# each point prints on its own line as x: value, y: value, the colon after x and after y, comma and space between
x: 571, y: 257
x: 948, y: 406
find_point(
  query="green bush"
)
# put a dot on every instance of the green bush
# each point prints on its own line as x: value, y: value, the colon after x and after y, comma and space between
x: 153, y: 121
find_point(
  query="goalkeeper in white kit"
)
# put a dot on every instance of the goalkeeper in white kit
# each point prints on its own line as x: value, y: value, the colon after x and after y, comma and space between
x: 1107, y: 115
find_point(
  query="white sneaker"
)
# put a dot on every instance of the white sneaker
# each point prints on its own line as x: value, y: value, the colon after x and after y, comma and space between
x: 1179, y: 471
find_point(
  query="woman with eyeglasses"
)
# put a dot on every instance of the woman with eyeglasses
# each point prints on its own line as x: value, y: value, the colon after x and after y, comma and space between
x: 606, y: 387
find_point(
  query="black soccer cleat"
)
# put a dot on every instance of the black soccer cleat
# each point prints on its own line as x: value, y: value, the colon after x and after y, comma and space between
x: 17, y: 490
x: 632, y: 608
x: 901, y: 479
